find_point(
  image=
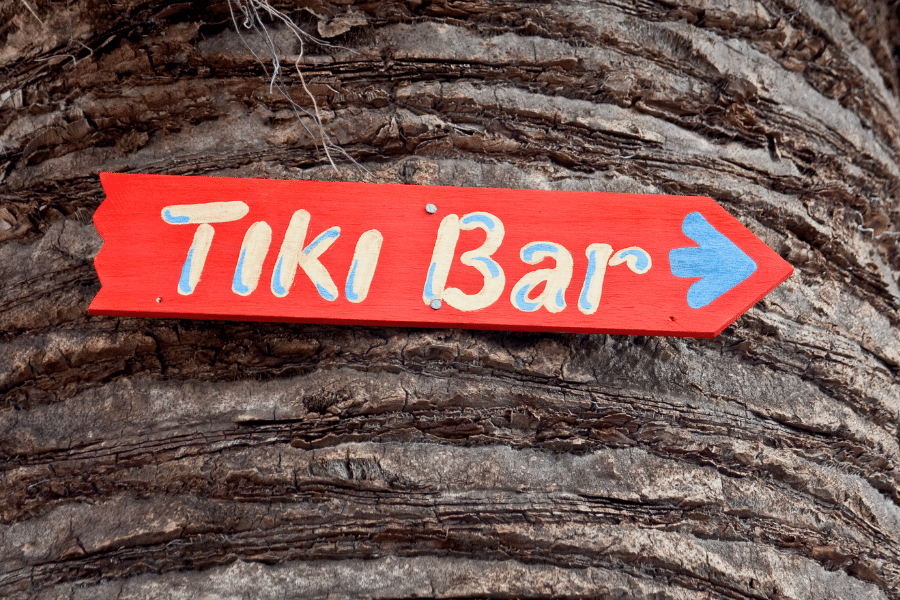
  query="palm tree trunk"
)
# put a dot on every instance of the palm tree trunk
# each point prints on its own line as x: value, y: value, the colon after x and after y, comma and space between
x: 206, y: 459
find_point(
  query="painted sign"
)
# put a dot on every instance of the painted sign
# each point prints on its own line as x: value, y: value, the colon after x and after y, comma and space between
x: 421, y: 256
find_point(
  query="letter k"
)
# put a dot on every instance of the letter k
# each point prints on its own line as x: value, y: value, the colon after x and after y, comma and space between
x: 294, y: 255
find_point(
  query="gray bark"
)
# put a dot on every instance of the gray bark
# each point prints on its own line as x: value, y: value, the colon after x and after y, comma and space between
x: 206, y: 459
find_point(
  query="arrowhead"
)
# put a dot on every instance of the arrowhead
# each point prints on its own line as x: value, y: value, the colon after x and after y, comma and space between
x: 719, y: 263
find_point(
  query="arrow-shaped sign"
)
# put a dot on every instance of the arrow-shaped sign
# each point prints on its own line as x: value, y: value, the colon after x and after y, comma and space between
x: 370, y: 254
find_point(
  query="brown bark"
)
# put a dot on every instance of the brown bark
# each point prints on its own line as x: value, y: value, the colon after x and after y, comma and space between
x: 190, y: 459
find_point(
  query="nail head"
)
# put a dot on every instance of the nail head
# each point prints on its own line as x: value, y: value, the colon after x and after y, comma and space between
x: 430, y: 209
x: 435, y: 304
x: 159, y: 299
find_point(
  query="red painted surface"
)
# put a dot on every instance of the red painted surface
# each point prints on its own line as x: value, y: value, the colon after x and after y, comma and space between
x: 142, y: 257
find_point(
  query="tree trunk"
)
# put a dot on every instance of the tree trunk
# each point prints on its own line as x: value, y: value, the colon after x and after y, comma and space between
x: 204, y: 459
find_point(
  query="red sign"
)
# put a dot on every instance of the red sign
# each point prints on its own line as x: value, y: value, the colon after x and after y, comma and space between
x: 419, y: 256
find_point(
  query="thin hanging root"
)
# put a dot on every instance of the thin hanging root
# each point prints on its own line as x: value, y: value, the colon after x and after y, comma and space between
x: 325, y: 141
x: 252, y: 19
x: 861, y: 227
x: 31, y: 10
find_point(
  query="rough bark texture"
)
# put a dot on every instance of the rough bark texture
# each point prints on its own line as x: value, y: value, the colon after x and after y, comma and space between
x: 188, y: 459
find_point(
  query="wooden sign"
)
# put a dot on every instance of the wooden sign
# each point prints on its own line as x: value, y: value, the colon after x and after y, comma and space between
x: 419, y: 256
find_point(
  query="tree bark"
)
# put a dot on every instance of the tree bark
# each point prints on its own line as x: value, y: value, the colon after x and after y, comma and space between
x: 203, y: 459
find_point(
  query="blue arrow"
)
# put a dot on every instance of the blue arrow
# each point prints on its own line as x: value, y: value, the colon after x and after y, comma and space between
x: 719, y: 263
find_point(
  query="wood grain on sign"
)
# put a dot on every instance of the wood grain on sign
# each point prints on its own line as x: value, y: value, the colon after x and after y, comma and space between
x: 372, y: 254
